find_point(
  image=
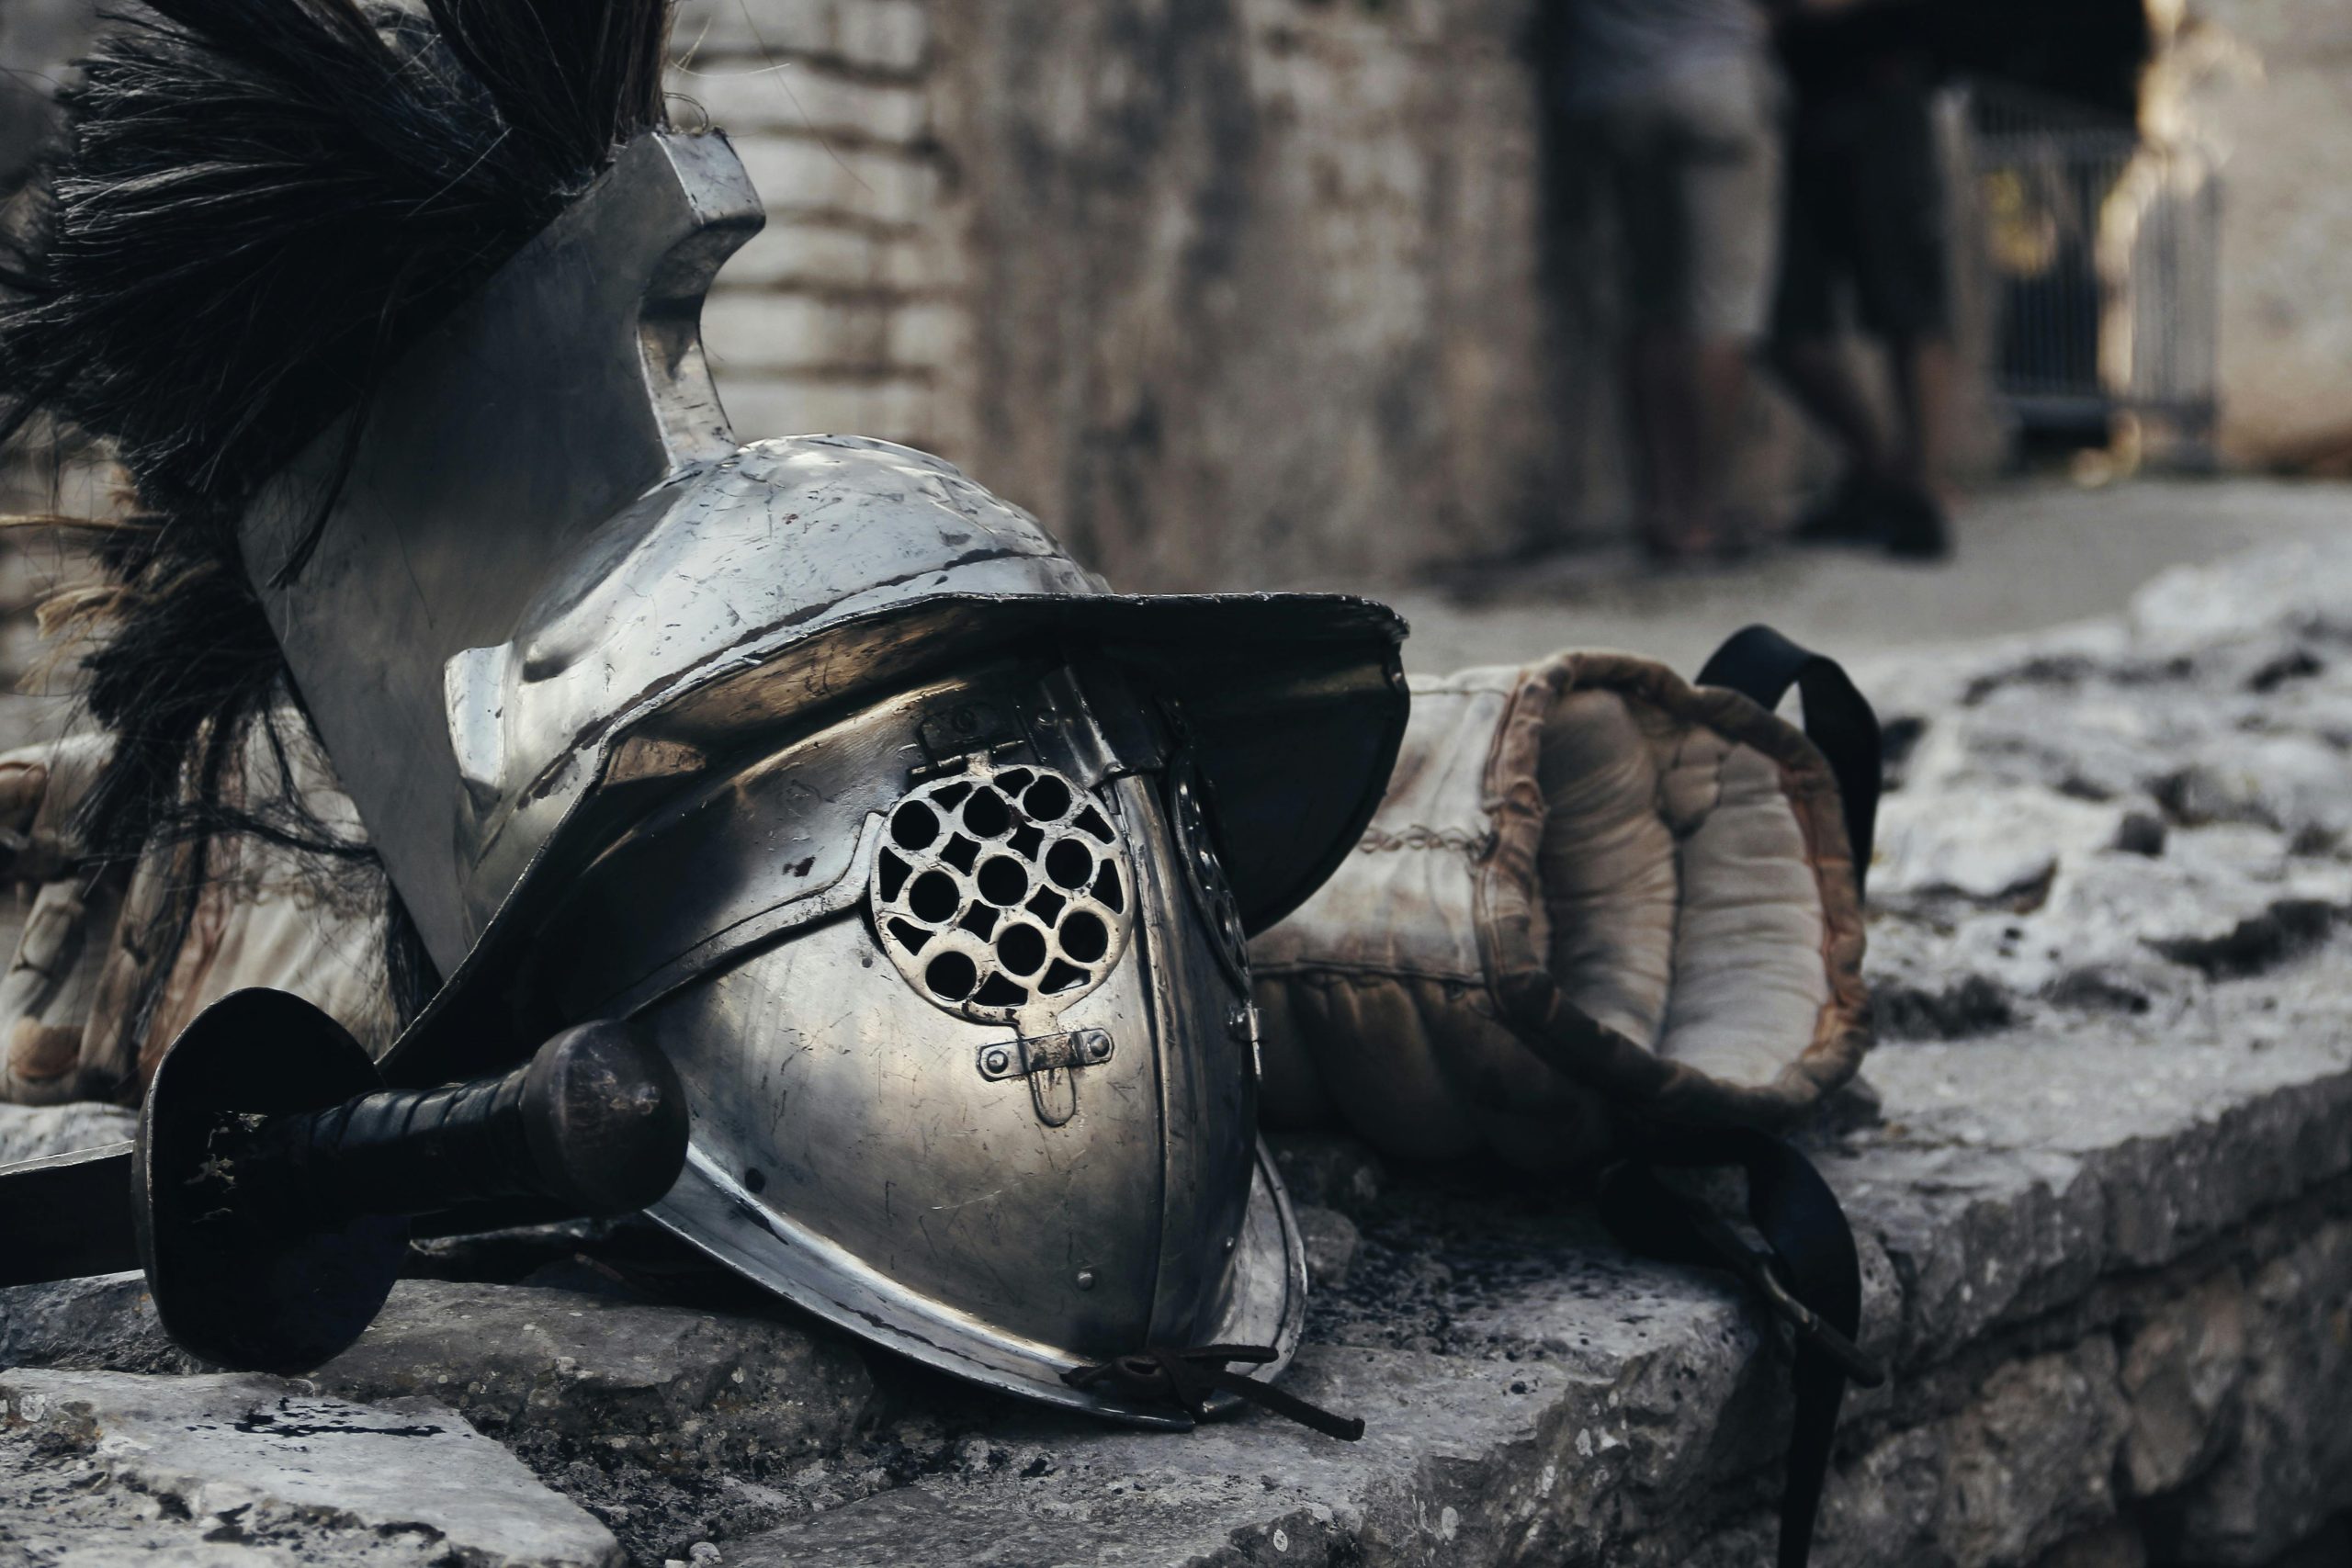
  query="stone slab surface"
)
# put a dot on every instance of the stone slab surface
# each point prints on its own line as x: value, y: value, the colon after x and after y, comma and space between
x: 677, y: 1388
x: 104, y: 1467
x: 105, y: 1322
x: 2103, y: 1211
x: 668, y: 1422
x: 35, y: 1132
x: 2102, y: 1182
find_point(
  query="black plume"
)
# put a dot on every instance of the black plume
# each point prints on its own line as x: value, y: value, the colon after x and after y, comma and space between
x: 261, y: 199
x: 578, y: 79
x: 257, y: 204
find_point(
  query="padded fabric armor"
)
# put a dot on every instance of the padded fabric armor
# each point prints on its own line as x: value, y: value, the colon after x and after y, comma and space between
x: 1592, y: 889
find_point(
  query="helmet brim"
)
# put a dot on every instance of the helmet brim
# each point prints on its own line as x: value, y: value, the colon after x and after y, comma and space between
x: 1294, y: 706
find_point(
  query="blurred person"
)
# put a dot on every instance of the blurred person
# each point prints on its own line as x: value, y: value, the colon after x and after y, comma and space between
x: 1672, y: 107
x: 1864, y: 211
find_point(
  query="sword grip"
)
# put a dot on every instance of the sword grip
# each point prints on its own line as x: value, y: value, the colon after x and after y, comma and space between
x: 595, y: 1121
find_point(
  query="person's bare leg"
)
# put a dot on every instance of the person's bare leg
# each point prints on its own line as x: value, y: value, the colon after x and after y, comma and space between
x: 1923, y: 381
x: 1662, y: 379
x: 1686, y: 395
x: 1719, y: 385
x: 1819, y: 376
x: 1642, y: 421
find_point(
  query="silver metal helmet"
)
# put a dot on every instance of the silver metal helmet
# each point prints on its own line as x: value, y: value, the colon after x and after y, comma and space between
x: 929, y: 862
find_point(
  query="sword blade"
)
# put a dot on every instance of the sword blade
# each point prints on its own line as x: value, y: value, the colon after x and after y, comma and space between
x: 67, y: 1215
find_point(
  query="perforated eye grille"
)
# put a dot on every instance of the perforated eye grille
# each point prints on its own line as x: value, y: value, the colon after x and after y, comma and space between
x: 1214, y: 893
x: 998, y: 889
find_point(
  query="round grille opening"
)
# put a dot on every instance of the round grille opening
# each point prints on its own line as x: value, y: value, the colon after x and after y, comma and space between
x: 986, y: 815
x: 1085, y: 936
x: 952, y: 976
x: 934, y: 899
x: 1071, y: 863
x: 1004, y: 881
x: 1021, y: 949
x: 914, y: 826
x: 1002, y: 889
x: 1048, y: 800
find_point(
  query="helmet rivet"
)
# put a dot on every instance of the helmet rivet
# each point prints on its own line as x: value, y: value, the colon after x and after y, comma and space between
x: 1228, y: 1243
x: 1086, y: 1278
x: 998, y: 1061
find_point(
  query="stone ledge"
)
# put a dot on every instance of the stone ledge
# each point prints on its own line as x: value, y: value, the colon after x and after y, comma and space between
x: 2106, y: 1233
x: 103, y: 1468
x: 2108, y: 1244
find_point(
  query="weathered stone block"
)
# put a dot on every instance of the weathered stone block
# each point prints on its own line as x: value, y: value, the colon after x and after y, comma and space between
x: 806, y: 98
x: 894, y: 408
x: 105, y: 1322
x: 671, y: 1388
x: 35, y: 1132
x: 1985, y: 844
x: 874, y: 185
x: 2286, y: 1462
x: 767, y: 333
x: 2031, y: 1463
x: 166, y: 1466
x: 2181, y: 1375
x: 876, y: 35
x: 1332, y: 1240
x: 2117, y: 1545
x: 1328, y: 1170
x: 816, y: 255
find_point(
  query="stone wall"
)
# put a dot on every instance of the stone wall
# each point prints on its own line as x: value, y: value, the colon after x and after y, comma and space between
x: 847, y: 312
x: 2269, y: 84
x: 1241, y: 291
x: 1223, y: 290
x: 1257, y: 280
x: 1231, y: 293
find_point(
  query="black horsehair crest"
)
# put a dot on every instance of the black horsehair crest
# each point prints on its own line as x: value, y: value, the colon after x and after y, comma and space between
x: 253, y: 207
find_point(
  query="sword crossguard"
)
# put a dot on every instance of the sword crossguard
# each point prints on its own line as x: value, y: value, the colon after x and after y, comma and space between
x: 274, y: 1175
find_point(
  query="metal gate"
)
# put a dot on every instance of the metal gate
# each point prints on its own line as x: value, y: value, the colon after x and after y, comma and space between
x: 2102, y: 252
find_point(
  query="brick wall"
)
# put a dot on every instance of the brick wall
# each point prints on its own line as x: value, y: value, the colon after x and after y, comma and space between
x: 1225, y: 290
x: 845, y: 311
x: 1230, y: 292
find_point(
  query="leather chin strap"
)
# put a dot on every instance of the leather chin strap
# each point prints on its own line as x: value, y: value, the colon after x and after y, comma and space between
x: 1185, y: 1378
x: 1807, y: 1272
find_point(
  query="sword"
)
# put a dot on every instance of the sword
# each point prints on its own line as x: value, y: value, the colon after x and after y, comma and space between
x: 269, y: 1193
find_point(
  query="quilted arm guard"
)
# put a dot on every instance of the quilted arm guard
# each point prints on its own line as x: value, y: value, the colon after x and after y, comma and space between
x: 1593, y: 890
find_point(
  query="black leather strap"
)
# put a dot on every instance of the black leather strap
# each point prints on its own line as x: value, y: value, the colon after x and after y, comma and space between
x: 1185, y: 1378
x: 1809, y: 1272
x: 1761, y: 665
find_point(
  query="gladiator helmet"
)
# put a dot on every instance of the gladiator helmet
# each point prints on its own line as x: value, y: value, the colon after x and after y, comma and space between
x: 929, y: 862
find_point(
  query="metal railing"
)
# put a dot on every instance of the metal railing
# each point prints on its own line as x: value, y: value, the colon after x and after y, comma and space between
x: 2101, y: 250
